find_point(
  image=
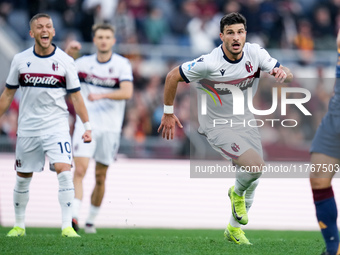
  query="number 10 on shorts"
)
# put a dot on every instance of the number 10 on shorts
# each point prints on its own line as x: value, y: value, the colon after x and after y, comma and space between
x: 66, y: 146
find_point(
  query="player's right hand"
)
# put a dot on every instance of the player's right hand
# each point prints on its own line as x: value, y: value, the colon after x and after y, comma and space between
x: 168, y: 124
x: 87, y: 136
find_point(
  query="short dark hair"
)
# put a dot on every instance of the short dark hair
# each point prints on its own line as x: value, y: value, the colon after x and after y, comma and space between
x: 231, y: 19
x: 104, y: 26
x: 38, y: 16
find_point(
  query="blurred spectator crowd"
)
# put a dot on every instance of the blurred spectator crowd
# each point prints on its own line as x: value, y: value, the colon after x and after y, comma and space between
x: 303, y: 25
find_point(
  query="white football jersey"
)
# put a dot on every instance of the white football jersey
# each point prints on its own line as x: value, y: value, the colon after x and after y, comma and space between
x: 102, y: 78
x: 214, y: 71
x: 44, y: 82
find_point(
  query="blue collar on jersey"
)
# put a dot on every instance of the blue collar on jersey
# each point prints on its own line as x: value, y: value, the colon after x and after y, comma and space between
x: 49, y: 55
x: 105, y: 61
x: 231, y: 61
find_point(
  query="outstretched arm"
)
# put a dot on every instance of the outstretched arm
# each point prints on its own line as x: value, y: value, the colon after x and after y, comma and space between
x: 6, y: 99
x: 169, y: 119
x: 81, y: 111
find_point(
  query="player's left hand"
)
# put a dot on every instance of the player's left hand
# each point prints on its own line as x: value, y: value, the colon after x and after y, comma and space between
x: 93, y: 97
x: 87, y: 136
x: 168, y: 124
x: 279, y: 74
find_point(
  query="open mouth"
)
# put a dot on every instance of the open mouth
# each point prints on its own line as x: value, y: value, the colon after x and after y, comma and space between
x: 236, y: 46
x: 45, y: 38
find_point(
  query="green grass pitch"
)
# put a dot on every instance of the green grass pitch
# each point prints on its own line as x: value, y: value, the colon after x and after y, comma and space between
x: 160, y: 241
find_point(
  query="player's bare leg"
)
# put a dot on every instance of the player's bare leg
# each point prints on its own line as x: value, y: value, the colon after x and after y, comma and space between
x: 99, y: 189
x: 96, y: 197
x: 66, y: 197
x: 251, y: 159
x: 323, y: 196
x: 321, y: 179
x: 81, y: 165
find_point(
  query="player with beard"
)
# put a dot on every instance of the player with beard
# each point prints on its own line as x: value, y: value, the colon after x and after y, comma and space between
x: 44, y: 74
x: 235, y: 63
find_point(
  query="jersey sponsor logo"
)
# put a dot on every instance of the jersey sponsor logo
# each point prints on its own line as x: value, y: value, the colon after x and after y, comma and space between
x: 222, y: 71
x: 98, y: 81
x: 42, y: 80
x: 249, y: 67
x: 55, y: 66
x: 208, y: 92
x: 235, y: 147
x: 200, y: 60
x: 242, y: 84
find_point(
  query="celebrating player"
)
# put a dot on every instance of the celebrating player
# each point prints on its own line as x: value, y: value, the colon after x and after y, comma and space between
x: 106, y: 80
x: 45, y: 74
x: 325, y: 160
x: 233, y: 64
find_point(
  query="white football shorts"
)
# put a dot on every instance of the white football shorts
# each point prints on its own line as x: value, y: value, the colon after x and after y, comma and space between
x: 231, y: 144
x: 30, y: 151
x: 103, y: 148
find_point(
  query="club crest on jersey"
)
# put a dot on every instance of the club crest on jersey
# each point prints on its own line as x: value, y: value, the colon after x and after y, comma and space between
x: 235, y: 147
x: 249, y: 67
x: 55, y: 66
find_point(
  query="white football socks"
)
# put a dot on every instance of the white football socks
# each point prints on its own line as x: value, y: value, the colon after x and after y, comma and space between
x: 244, y: 180
x: 76, y: 208
x: 94, y: 210
x: 66, y: 197
x: 20, y: 199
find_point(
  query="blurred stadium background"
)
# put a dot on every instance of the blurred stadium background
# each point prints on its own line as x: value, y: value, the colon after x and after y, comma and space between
x: 156, y: 36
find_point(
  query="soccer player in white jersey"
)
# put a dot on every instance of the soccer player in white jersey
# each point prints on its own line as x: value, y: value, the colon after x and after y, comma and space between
x: 106, y: 81
x: 234, y: 65
x: 45, y: 74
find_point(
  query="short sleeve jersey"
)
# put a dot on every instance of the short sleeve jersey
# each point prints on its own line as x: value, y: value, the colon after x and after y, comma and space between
x: 44, y: 82
x: 101, y: 78
x: 214, y: 70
